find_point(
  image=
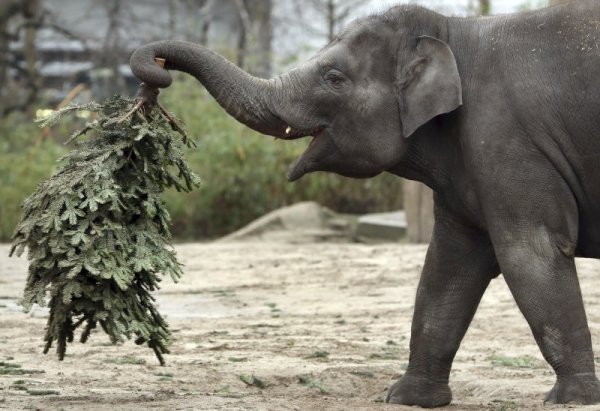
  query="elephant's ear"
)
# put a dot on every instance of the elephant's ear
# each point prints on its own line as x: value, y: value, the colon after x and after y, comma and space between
x: 429, y: 85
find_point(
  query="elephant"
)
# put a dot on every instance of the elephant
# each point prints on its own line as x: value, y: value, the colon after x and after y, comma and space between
x: 499, y: 115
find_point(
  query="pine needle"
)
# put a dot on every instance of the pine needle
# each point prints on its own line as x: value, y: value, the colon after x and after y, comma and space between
x: 97, y: 231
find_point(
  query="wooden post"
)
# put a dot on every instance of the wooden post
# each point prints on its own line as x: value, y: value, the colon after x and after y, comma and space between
x: 418, y: 206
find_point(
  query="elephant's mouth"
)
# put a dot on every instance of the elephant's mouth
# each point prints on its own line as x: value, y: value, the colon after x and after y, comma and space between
x: 294, y: 134
x: 319, y: 148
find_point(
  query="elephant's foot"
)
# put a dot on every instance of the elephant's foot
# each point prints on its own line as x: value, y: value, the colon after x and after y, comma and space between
x: 580, y: 389
x: 410, y: 390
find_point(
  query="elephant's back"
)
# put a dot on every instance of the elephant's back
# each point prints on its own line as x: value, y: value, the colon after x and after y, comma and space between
x: 541, y: 73
x: 550, y: 72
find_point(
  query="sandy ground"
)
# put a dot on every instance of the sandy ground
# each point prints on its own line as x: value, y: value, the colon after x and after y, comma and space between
x: 320, y: 326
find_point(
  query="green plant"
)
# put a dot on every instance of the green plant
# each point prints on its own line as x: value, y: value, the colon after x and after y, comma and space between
x: 319, y: 354
x: 367, y: 374
x: 237, y: 359
x: 252, y: 381
x: 514, y: 362
x: 27, y: 156
x: 313, y: 383
x: 42, y: 392
x: 97, y: 231
x: 7, y: 368
x: 244, y: 173
x: 532, y: 4
x: 499, y: 405
x: 127, y: 359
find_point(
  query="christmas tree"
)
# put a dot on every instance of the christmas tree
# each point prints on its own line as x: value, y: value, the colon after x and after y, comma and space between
x: 97, y: 232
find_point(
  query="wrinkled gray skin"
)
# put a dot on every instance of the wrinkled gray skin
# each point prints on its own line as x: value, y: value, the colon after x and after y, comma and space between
x: 500, y: 116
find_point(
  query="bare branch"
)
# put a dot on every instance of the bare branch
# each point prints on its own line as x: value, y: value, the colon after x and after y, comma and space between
x: 344, y: 13
x: 206, y: 13
x: 335, y: 13
x: 246, y: 26
x: 43, y: 22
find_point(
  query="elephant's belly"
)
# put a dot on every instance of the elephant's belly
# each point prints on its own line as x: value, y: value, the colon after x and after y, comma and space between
x: 588, y: 243
x: 587, y: 192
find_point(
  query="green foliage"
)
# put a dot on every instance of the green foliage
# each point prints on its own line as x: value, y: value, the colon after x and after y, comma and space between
x: 245, y: 173
x: 27, y: 156
x: 7, y: 368
x: 128, y: 359
x: 42, y: 392
x: 514, y: 362
x: 500, y: 405
x: 532, y: 4
x: 360, y: 373
x: 252, y: 381
x: 313, y: 383
x: 98, y: 233
x: 319, y: 354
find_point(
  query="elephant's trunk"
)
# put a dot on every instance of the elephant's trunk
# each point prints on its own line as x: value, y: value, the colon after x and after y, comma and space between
x: 248, y: 99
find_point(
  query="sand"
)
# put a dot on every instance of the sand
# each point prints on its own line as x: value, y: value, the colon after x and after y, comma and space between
x: 318, y: 326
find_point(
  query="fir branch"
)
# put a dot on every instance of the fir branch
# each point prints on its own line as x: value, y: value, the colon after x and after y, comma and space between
x: 97, y: 231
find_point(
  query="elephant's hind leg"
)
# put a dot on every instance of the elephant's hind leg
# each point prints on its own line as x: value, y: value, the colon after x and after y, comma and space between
x: 459, y: 266
x: 535, y: 235
x: 547, y: 291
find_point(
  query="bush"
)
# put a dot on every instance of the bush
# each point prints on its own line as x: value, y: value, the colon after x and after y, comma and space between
x: 27, y: 156
x: 243, y: 172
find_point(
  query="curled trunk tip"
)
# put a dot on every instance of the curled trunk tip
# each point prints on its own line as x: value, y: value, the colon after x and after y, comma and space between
x: 144, y: 66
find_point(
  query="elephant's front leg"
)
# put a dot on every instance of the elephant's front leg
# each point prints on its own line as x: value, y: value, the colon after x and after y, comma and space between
x: 459, y: 266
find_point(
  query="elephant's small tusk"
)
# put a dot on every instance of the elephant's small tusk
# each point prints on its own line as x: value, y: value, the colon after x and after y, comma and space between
x: 288, y: 130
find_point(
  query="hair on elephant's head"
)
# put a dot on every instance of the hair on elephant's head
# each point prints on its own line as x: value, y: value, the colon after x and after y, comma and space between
x: 359, y: 98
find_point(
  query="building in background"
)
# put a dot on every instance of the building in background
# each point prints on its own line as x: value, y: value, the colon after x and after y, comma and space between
x: 89, y: 41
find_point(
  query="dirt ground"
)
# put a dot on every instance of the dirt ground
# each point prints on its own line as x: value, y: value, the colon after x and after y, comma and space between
x: 308, y: 327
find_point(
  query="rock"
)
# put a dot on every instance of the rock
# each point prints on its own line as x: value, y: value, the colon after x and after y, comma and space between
x: 381, y: 227
x: 299, y: 223
x: 310, y: 222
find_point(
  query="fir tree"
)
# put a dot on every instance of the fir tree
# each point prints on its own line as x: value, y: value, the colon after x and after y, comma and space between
x: 97, y: 232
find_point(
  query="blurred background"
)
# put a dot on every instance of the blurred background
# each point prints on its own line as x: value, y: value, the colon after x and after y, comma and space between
x: 55, y: 52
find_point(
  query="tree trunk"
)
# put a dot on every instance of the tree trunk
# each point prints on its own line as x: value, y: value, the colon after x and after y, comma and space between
x: 261, y: 16
x: 30, y: 10
x: 484, y: 7
x: 206, y: 11
x: 331, y: 20
x: 418, y: 206
x: 31, y: 58
x: 8, y: 9
x: 172, y: 19
x: 243, y: 34
x: 555, y: 2
x: 112, y: 82
x: 255, y: 36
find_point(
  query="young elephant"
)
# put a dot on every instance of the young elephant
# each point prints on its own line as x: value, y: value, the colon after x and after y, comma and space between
x: 500, y: 116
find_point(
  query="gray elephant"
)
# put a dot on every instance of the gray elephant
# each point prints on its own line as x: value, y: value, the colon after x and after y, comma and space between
x: 500, y: 116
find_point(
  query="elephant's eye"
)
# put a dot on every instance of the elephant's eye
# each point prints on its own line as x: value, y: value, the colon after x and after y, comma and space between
x: 335, y: 78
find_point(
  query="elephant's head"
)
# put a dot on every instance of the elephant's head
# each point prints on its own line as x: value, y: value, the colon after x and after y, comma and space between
x: 359, y: 98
